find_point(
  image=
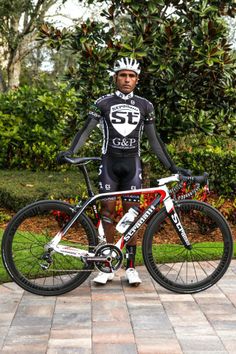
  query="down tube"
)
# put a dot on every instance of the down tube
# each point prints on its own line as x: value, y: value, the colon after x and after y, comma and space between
x: 138, y: 223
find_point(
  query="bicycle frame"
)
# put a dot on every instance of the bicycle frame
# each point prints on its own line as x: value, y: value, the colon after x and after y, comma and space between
x: 163, y: 196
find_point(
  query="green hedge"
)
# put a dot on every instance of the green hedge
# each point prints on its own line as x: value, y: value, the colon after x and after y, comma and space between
x: 220, y: 166
x: 218, y: 161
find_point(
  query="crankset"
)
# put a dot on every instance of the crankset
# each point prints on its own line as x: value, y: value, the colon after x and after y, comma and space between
x: 108, y: 258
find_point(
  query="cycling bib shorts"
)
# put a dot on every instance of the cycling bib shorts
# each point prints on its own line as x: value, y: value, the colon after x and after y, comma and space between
x: 120, y: 174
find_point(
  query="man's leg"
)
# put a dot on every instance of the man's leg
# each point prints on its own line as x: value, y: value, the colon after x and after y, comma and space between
x: 131, y: 247
x: 108, y: 214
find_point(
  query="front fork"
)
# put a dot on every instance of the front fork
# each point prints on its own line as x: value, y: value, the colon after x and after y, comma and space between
x: 175, y: 220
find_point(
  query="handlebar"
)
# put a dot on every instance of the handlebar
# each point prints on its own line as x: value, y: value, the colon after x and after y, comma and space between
x: 203, y: 179
x: 197, y: 180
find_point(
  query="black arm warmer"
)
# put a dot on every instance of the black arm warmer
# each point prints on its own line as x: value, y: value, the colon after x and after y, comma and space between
x: 158, y: 147
x: 83, y: 134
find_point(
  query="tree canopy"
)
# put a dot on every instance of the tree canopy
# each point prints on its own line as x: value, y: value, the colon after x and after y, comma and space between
x: 188, y: 66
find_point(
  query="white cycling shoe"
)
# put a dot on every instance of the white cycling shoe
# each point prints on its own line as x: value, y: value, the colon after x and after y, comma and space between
x: 103, y: 278
x: 133, y: 277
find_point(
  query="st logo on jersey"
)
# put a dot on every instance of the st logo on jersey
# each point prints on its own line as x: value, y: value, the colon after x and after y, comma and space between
x: 124, y: 118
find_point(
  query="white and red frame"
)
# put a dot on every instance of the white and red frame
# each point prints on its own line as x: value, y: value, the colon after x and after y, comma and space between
x: 163, y: 195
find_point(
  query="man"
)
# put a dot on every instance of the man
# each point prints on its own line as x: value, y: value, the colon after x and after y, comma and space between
x: 123, y: 117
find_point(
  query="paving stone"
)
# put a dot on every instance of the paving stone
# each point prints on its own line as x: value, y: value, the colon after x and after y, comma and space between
x: 206, y: 351
x: 101, y: 348
x: 3, y: 333
x: 159, y: 346
x: 25, y: 348
x: 213, y: 298
x: 186, y: 312
x: 172, y: 297
x: 211, y: 310
x: 26, y: 338
x: 70, y: 350
x: 194, y: 330
x: 106, y: 310
x: 34, y: 310
x: 79, y: 317
x: 71, y: 338
x: 232, y: 297
x: 113, y: 332
x: 228, y: 338
x: 210, y: 343
x: 223, y: 321
x: 158, y: 341
x: 11, y: 288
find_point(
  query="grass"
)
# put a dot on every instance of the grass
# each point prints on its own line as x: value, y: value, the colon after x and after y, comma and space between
x: 161, y: 252
x: 27, y: 256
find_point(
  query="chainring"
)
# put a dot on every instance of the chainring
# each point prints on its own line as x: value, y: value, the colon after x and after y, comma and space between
x: 113, y: 255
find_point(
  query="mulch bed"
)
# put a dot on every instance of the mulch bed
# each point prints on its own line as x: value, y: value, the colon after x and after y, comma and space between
x: 36, y: 224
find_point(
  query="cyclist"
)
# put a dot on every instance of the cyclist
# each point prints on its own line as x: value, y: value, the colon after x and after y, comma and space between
x: 123, y: 116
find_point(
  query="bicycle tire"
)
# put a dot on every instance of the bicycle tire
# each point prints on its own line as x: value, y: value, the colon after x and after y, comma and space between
x: 175, y: 267
x: 23, y: 246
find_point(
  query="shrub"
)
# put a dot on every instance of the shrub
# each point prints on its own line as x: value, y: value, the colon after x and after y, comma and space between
x: 199, y: 154
x: 34, y: 125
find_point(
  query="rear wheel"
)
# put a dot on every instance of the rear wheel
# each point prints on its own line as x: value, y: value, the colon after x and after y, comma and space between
x: 182, y: 270
x: 23, y: 248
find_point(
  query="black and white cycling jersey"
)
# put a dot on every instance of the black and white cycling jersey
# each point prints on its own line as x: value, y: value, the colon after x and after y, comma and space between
x: 123, y: 118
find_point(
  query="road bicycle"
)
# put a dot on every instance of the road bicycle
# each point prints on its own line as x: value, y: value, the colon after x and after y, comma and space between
x: 51, y: 247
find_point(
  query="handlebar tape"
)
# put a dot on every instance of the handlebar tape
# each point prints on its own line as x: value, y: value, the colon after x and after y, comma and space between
x: 203, y: 179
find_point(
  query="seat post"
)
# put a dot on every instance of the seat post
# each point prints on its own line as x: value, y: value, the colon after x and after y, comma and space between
x: 87, y: 180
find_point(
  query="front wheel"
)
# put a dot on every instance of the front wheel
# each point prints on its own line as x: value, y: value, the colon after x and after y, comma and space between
x: 23, y: 248
x: 177, y: 268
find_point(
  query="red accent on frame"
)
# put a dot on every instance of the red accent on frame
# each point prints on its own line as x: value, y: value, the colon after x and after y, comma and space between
x: 159, y: 191
x: 122, y: 243
x: 162, y: 193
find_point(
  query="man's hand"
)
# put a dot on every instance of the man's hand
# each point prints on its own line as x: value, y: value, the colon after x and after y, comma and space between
x: 184, y: 172
x: 181, y: 170
x: 61, y: 156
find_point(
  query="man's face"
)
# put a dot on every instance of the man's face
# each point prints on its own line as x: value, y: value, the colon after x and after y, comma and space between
x: 126, y: 80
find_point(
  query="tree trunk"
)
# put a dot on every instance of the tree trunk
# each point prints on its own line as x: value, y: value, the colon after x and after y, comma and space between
x: 13, y: 73
x: 2, y: 82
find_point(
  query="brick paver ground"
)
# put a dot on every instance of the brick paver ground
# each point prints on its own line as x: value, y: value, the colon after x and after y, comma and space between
x: 120, y: 319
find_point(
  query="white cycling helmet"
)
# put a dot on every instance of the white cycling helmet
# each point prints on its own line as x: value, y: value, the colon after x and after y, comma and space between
x: 127, y: 64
